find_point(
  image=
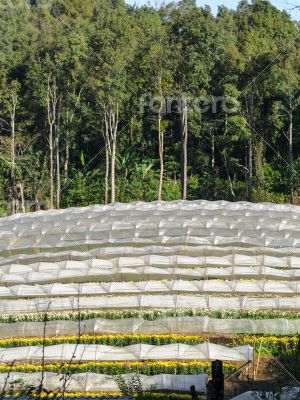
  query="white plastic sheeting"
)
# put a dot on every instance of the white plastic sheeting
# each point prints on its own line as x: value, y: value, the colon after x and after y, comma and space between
x: 165, y: 287
x: 163, y: 256
x: 175, y: 223
x: 76, y: 271
x: 148, y: 302
x: 95, y: 352
x: 91, y: 382
x: 182, y: 243
x: 168, y: 325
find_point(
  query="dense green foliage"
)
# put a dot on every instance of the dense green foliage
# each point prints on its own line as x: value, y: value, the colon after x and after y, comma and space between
x: 82, y: 58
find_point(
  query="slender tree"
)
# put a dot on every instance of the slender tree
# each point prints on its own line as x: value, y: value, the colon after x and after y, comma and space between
x: 14, y: 101
x: 184, y: 146
x: 52, y: 101
x: 111, y: 118
x: 57, y: 148
x: 160, y: 141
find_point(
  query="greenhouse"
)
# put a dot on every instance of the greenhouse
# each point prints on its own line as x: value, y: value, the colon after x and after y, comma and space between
x: 147, y: 291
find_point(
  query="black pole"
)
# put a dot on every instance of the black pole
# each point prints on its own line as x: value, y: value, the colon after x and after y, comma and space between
x: 215, y: 387
x: 194, y: 393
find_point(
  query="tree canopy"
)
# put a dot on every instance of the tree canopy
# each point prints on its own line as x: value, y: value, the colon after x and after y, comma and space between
x: 102, y: 101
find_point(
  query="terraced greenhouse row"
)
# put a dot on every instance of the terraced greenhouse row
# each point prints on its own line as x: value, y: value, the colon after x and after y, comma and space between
x: 157, y: 289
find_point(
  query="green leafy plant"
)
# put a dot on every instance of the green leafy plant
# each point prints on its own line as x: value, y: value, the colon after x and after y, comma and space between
x: 130, y: 387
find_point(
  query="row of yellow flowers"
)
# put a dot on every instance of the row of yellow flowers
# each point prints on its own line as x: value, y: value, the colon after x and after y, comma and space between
x: 113, y: 368
x: 159, y: 339
x: 269, y: 345
x: 146, y: 396
x: 67, y: 394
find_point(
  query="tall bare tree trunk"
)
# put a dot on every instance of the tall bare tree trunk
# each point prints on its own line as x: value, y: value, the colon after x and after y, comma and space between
x: 213, y: 156
x: 67, y: 157
x: 160, y: 144
x: 213, y: 162
x: 184, y: 142
x: 57, y: 145
x: 58, y: 180
x: 250, y: 171
x: 291, y: 157
x: 111, y: 121
x: 113, y: 132
x: 106, y: 137
x: 51, y: 108
x: 51, y: 165
x: 113, y: 169
x: 14, y: 98
x: 21, y: 198
x: 106, y: 175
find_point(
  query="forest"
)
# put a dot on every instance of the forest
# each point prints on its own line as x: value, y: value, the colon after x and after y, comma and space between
x: 104, y: 102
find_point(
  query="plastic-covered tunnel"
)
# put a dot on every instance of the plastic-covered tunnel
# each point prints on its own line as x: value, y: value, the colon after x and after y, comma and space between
x: 147, y: 269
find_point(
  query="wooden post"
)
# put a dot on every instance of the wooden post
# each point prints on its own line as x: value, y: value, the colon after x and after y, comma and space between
x: 258, y: 360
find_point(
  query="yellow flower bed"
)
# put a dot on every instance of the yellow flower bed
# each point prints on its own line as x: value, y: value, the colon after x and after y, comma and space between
x: 155, y: 396
x: 71, y: 394
x: 94, y: 338
x: 123, y: 340
x: 111, y: 367
x: 269, y: 345
x: 277, y: 339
